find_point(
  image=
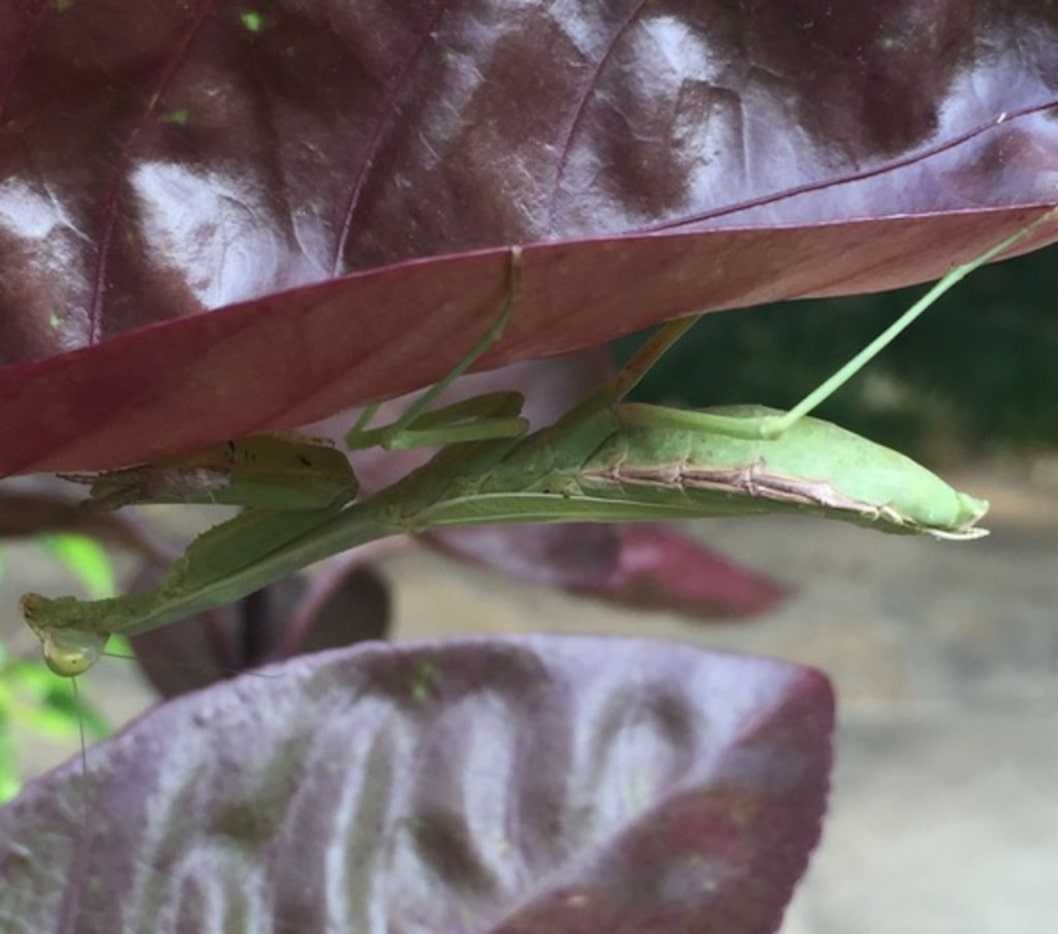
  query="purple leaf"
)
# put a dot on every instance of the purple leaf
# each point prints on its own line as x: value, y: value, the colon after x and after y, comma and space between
x: 342, y: 603
x: 645, y: 565
x: 535, y: 784
x: 290, y: 170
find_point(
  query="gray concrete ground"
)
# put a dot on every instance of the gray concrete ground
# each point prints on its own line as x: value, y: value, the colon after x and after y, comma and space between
x: 944, y: 817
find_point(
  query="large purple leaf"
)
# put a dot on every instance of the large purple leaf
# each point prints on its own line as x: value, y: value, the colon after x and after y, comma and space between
x: 172, y: 159
x: 537, y: 784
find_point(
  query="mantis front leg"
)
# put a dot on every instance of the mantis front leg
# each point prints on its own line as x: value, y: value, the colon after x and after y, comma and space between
x: 288, y: 483
x: 291, y: 487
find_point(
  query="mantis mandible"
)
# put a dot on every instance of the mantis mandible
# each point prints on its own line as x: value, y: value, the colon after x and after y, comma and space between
x: 605, y: 460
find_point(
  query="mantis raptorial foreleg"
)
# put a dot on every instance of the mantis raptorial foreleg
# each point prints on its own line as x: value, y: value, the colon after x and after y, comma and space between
x: 289, y: 484
x: 605, y: 460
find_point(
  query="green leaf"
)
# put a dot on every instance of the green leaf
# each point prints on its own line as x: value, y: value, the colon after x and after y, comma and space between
x: 10, y: 784
x: 87, y: 559
x: 47, y: 704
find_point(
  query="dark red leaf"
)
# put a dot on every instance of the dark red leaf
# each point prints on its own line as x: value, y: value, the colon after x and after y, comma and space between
x: 645, y: 565
x: 341, y: 605
x: 175, y: 159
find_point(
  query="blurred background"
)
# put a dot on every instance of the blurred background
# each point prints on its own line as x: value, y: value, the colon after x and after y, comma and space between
x: 944, y: 817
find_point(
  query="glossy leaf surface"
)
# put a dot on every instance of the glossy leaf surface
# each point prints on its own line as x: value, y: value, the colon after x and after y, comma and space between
x: 288, y: 169
x: 534, y: 784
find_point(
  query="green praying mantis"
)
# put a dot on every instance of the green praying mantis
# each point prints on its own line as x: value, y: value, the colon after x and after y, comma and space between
x: 606, y: 460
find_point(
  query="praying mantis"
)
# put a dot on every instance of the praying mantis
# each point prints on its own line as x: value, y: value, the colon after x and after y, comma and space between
x: 606, y: 460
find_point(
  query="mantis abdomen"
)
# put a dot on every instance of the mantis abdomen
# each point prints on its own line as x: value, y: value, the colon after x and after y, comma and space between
x: 814, y: 467
x: 632, y: 465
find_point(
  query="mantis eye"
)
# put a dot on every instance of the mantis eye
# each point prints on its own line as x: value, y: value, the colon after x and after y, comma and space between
x: 71, y: 652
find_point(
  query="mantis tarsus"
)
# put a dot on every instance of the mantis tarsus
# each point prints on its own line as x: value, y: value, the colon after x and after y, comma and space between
x: 605, y: 460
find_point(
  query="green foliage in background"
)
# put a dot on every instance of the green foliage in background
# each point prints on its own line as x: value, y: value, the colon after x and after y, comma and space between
x: 39, y: 703
x: 86, y: 559
x: 976, y: 374
x: 42, y: 705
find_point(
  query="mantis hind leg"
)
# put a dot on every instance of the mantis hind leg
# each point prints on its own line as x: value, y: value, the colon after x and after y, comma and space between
x: 767, y: 427
x: 494, y: 415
